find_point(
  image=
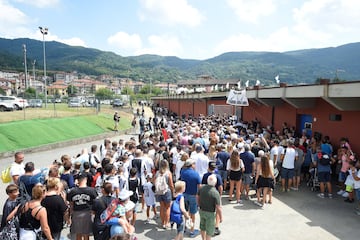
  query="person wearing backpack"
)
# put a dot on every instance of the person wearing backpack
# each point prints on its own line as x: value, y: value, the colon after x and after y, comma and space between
x: 177, y: 210
x: 164, y: 188
x: 323, y: 163
x: 102, y: 231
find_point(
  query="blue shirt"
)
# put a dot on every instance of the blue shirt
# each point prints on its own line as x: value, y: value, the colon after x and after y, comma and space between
x: 321, y: 168
x: 224, y: 157
x: 248, y: 158
x: 192, y: 179
x: 219, y: 181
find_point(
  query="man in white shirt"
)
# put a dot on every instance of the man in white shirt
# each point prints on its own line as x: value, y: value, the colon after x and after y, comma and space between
x: 17, y: 167
x: 288, y: 157
x: 202, y: 161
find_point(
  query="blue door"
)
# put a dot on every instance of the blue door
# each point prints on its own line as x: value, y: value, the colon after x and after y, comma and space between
x: 305, y: 123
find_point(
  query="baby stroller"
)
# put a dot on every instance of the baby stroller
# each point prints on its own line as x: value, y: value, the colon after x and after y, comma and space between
x: 313, y: 182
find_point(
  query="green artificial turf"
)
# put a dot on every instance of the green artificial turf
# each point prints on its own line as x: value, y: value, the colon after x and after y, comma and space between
x: 36, y: 132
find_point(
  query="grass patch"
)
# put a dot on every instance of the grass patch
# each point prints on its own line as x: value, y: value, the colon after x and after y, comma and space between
x: 36, y: 132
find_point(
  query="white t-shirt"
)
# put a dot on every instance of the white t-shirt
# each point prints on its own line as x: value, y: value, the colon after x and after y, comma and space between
x: 202, y: 163
x: 149, y: 195
x: 178, y: 166
x: 17, y: 169
x: 289, y: 158
x: 357, y: 183
x: 274, y: 151
x: 228, y: 166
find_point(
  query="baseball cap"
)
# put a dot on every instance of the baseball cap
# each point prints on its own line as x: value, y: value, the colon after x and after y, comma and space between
x: 212, y: 165
x: 125, y: 194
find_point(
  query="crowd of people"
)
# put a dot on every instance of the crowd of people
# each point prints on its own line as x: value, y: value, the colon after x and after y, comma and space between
x: 177, y: 168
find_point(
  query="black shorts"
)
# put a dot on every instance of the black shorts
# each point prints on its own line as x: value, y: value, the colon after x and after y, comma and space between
x: 235, y: 175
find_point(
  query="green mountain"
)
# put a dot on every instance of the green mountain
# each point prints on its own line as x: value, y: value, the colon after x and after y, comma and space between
x: 302, y: 66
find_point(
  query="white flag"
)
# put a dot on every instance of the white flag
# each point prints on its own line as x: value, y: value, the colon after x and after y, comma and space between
x: 212, y: 88
x: 257, y: 83
x: 216, y: 87
x: 237, y: 98
x: 239, y: 84
x: 277, y: 79
x: 247, y: 83
x: 227, y: 86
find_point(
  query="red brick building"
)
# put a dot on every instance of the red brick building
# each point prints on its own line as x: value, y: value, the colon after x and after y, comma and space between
x: 331, y: 109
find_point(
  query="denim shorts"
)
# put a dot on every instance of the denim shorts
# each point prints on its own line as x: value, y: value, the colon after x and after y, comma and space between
x: 287, y: 173
x: 180, y: 227
x: 324, y: 177
x: 223, y: 175
x: 342, y: 176
x: 247, y: 179
x: 190, y: 203
x: 357, y: 193
x: 165, y: 197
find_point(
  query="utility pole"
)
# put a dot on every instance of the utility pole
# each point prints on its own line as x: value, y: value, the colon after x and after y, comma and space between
x: 25, y: 65
x: 34, y: 77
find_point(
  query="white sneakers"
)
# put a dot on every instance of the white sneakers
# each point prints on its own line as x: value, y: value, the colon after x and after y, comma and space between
x: 341, y: 192
x: 345, y: 194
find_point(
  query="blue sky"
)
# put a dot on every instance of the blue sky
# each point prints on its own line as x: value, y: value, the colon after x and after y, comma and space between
x: 195, y: 29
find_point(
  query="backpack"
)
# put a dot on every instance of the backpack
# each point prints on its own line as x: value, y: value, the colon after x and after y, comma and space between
x: 5, y: 175
x: 175, y: 211
x: 24, y: 196
x: 161, y: 186
x: 133, y: 186
x: 324, y: 159
x: 106, y: 214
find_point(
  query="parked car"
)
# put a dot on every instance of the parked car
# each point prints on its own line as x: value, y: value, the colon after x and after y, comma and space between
x: 17, y: 103
x: 75, y: 102
x: 35, y: 103
x: 118, y: 103
x: 5, y: 106
x: 57, y: 100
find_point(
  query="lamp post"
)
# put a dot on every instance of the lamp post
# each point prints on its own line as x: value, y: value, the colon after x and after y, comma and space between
x: 25, y: 65
x: 44, y: 31
x: 34, y: 77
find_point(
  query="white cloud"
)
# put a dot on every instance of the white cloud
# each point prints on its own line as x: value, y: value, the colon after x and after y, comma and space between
x: 74, y: 41
x: 40, y: 3
x: 317, y: 24
x: 171, y: 12
x: 125, y: 41
x: 132, y: 44
x: 13, y: 21
x: 163, y: 45
x: 252, y: 10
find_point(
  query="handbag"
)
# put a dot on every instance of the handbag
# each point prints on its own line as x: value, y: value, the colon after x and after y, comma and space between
x: 10, y: 230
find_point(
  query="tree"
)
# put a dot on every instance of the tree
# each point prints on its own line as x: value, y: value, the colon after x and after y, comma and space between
x: 127, y: 91
x: 104, y: 93
x: 72, y: 90
x: 30, y: 93
x: 154, y: 90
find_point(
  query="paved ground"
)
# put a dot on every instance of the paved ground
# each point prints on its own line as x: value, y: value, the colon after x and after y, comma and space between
x: 292, y: 215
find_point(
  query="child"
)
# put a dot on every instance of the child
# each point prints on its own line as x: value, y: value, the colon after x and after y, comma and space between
x: 134, y: 184
x: 10, y: 206
x: 356, y: 176
x: 175, y: 215
x: 149, y: 197
x: 349, y: 183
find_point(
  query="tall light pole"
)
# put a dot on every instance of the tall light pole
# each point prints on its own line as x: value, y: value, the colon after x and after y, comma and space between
x: 44, y: 31
x: 25, y: 65
x: 34, y: 77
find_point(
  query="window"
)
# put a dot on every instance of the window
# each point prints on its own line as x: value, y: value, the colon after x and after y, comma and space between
x: 335, y: 117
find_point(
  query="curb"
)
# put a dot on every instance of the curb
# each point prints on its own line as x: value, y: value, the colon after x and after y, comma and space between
x: 64, y: 143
